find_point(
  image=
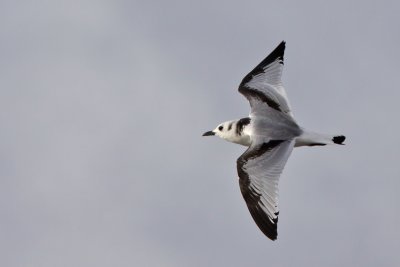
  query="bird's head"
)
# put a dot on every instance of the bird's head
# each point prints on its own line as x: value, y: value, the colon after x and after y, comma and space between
x: 223, y: 130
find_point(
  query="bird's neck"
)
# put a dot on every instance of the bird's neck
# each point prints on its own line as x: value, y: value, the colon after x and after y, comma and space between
x: 240, y: 132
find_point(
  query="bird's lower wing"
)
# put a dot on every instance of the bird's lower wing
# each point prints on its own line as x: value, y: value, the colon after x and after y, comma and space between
x: 259, y: 169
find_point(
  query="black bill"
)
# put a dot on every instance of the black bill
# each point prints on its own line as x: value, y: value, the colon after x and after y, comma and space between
x: 209, y: 133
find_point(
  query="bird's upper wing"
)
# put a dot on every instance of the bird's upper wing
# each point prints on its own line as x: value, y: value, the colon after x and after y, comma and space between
x: 259, y: 169
x: 263, y: 85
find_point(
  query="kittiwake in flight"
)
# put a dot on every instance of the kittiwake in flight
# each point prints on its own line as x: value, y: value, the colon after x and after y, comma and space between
x: 270, y: 132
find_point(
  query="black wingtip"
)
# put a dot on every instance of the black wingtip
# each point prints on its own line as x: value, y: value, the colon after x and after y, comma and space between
x: 268, y: 226
x: 339, y: 139
x: 278, y: 52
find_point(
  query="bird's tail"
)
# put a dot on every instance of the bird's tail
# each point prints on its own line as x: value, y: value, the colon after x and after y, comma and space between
x: 308, y: 138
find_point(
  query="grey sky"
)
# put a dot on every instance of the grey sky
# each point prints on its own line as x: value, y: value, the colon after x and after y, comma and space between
x: 102, y: 107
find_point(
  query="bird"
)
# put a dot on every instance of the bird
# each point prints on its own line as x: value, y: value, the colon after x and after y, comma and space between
x: 270, y: 132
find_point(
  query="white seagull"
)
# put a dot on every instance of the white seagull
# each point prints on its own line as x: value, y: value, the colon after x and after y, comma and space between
x: 270, y: 133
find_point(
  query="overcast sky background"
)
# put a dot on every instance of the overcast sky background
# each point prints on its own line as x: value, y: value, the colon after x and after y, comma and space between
x: 102, y: 107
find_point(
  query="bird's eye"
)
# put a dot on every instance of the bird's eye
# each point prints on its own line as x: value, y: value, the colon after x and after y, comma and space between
x: 220, y: 128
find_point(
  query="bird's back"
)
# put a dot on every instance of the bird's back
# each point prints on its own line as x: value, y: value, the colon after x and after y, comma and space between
x: 275, y: 126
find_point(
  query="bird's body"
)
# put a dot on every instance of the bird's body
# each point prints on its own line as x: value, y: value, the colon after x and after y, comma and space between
x: 270, y: 133
x: 243, y: 130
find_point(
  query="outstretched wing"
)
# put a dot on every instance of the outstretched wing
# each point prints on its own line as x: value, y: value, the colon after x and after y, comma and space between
x: 259, y: 169
x: 263, y: 85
